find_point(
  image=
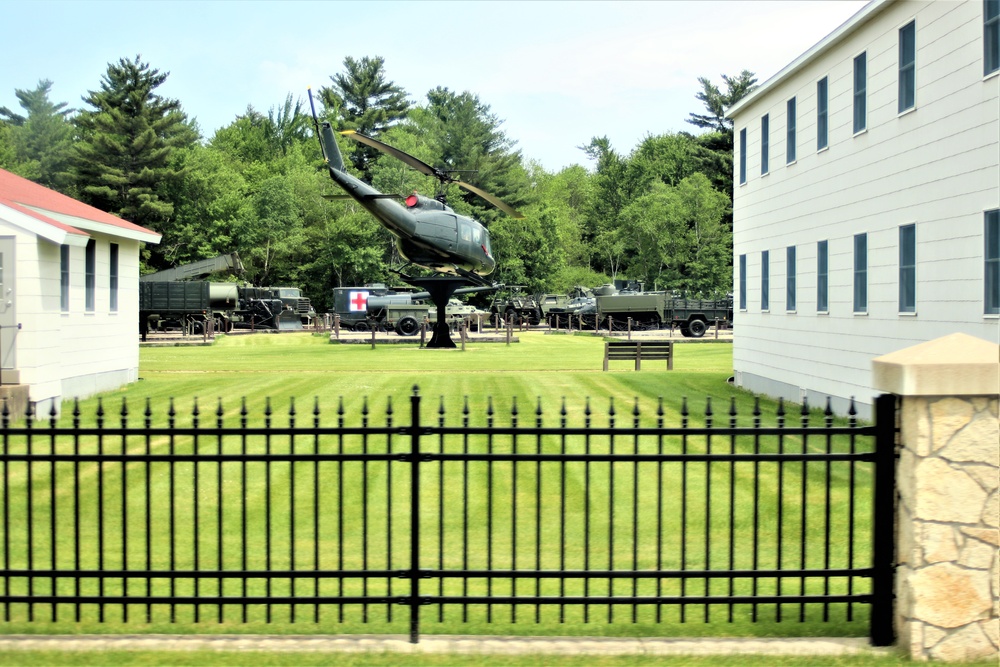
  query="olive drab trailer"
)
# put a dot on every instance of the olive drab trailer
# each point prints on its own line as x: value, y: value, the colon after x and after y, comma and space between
x: 171, y: 299
x: 188, y: 305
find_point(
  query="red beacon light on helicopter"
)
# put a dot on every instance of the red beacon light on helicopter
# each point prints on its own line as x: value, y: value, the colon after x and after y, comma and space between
x: 412, y: 200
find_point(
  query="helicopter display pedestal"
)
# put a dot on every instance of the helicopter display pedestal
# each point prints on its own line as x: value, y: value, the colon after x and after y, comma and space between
x: 441, y: 288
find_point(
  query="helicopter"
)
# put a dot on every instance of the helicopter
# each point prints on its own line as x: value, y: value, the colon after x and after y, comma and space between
x: 428, y: 232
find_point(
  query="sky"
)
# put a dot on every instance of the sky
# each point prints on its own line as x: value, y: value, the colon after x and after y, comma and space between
x: 556, y: 73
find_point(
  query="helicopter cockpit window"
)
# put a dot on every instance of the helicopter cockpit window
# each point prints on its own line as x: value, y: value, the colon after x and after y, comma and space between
x: 477, y: 237
x: 466, y: 232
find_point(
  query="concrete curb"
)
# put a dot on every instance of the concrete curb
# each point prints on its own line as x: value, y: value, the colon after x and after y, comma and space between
x: 455, y: 644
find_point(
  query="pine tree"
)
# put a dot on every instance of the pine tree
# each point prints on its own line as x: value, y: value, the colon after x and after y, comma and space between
x: 40, y: 141
x: 362, y: 99
x: 122, y: 159
x: 717, y: 103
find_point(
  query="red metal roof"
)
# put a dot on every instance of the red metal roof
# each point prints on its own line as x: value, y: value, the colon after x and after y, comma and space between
x: 18, y: 190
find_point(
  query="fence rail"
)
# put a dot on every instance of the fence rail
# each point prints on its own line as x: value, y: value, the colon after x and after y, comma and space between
x: 229, y: 523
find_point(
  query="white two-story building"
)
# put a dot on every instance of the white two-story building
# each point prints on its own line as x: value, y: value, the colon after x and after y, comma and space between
x: 69, y: 275
x: 867, y: 199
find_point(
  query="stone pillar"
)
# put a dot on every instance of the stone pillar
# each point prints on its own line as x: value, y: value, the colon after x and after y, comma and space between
x: 948, y: 517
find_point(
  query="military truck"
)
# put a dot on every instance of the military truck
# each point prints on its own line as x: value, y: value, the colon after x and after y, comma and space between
x: 403, y: 313
x: 351, y: 303
x: 225, y: 300
x: 405, y: 318
x: 654, y: 310
x: 511, y: 303
x: 188, y: 305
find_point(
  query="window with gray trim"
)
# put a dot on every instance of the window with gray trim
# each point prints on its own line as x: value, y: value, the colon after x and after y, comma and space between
x: 90, y: 275
x: 64, y: 278
x: 113, y: 279
x: 765, y: 280
x: 860, y: 92
x: 908, y: 269
x: 790, y: 131
x: 861, y: 273
x: 907, y: 66
x: 743, y: 282
x: 991, y: 36
x: 790, y: 278
x: 822, y: 277
x: 821, y: 114
x: 743, y: 156
x: 765, y: 143
x: 992, y: 256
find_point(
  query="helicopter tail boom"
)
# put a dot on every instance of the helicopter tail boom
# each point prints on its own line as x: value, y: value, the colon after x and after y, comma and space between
x: 330, y: 148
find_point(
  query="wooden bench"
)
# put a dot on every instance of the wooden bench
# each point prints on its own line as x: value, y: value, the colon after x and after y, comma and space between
x: 637, y: 350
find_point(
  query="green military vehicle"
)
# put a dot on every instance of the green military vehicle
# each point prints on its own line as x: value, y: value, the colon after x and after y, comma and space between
x: 403, y: 313
x: 405, y: 318
x: 512, y: 304
x: 655, y: 310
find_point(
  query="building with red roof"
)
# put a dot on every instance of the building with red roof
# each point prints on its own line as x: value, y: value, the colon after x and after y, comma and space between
x: 69, y: 275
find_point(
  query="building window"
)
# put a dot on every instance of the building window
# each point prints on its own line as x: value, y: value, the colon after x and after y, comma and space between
x: 907, y: 66
x: 991, y: 36
x: 64, y: 278
x: 790, y: 278
x: 908, y: 269
x: 743, y: 156
x: 860, y: 92
x: 821, y: 115
x: 743, y: 282
x: 992, y: 255
x: 790, y: 132
x: 113, y: 279
x: 765, y: 280
x: 860, y: 273
x: 765, y: 142
x: 90, y: 275
x: 822, y: 277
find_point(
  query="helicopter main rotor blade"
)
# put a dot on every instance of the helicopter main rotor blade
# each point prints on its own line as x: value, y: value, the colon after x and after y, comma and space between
x: 406, y: 158
x: 491, y: 199
x: 425, y: 168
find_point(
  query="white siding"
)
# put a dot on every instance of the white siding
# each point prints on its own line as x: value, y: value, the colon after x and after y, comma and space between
x: 936, y: 166
x: 62, y: 355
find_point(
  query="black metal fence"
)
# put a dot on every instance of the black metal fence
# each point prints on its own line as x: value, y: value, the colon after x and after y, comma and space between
x: 215, y: 522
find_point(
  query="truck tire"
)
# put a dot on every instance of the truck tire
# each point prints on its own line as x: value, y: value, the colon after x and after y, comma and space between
x: 407, y: 326
x: 361, y: 326
x: 697, y: 328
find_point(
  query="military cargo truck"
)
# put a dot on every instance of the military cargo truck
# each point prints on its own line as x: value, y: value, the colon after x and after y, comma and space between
x: 654, y: 310
x: 189, y: 305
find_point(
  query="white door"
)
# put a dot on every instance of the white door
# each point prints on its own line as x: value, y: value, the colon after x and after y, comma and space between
x: 8, y: 314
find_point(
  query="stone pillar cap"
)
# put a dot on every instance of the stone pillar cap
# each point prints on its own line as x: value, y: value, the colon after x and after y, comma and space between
x: 954, y: 365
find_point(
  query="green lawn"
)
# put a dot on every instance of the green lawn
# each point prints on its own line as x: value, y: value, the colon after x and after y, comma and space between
x: 500, y: 516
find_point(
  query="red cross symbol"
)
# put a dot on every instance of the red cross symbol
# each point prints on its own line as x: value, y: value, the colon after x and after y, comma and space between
x: 359, y: 300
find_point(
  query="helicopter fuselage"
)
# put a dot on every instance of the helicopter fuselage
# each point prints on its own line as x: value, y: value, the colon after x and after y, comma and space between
x: 428, y: 233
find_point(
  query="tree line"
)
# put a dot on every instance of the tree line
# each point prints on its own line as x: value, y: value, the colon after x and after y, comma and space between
x: 660, y: 214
